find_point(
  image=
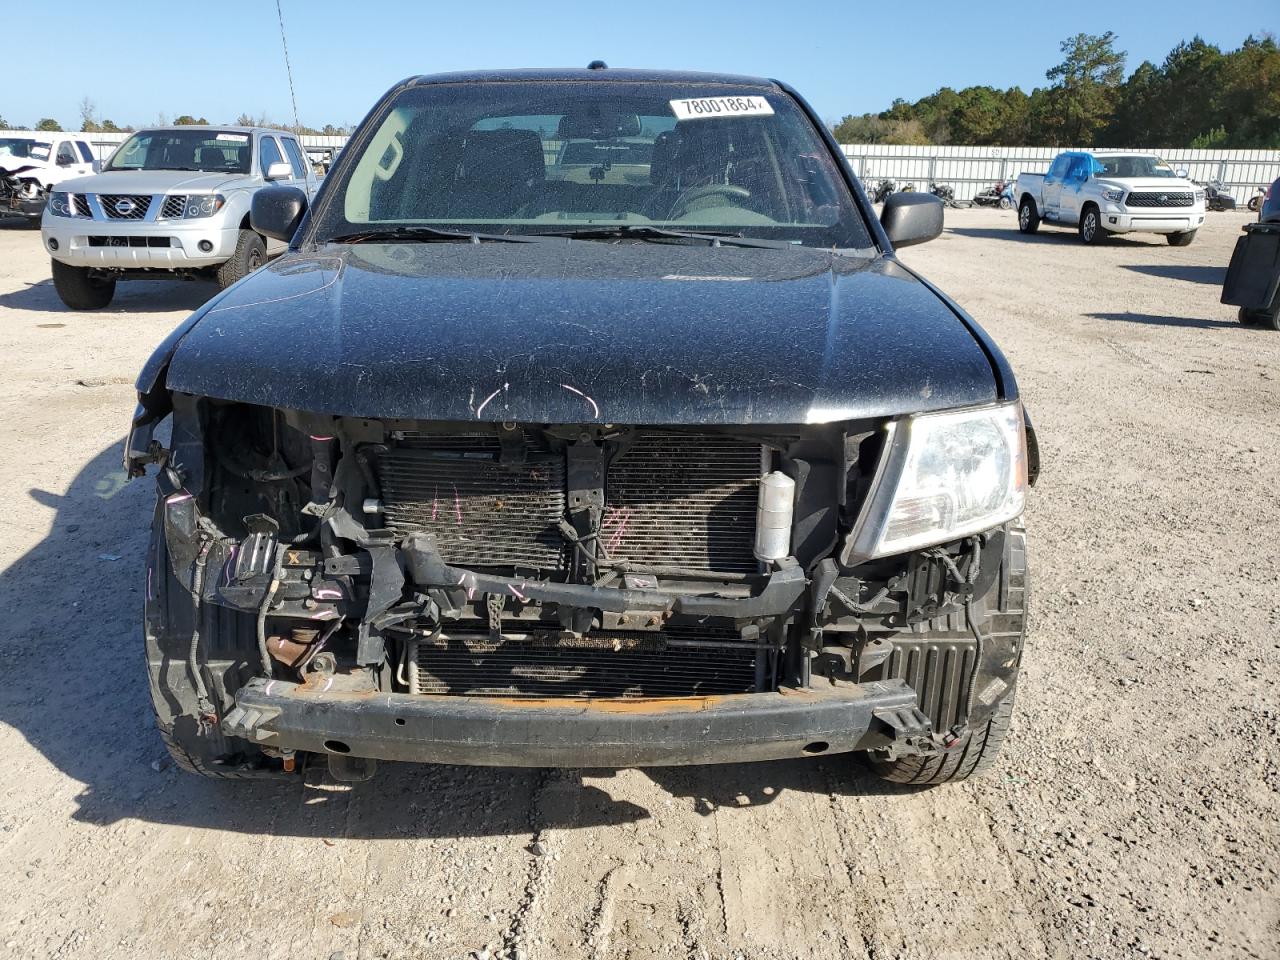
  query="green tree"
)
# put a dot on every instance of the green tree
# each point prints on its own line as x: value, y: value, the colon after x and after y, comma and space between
x: 1250, y: 101
x: 1135, y: 120
x: 1085, y: 88
x: 864, y: 128
x: 48, y: 124
x: 4, y: 125
x: 187, y: 120
x: 1188, y: 98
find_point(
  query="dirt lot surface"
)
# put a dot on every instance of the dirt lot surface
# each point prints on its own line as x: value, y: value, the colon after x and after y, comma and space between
x: 1134, y: 813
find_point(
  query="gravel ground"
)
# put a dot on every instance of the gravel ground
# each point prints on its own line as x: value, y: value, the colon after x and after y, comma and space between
x: 1134, y: 813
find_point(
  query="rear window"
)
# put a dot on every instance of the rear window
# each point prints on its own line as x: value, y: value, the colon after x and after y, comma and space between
x: 525, y: 157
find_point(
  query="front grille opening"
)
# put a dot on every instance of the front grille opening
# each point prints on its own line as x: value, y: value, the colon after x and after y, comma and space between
x: 119, y: 206
x: 483, y: 513
x: 98, y: 241
x: 606, y: 665
x: 1158, y: 199
x: 684, y: 500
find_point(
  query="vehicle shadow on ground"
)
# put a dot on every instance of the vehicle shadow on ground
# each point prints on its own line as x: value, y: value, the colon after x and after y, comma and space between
x: 18, y: 223
x: 75, y: 688
x: 1160, y: 321
x: 132, y: 296
x: 1044, y: 236
x: 1213, y: 276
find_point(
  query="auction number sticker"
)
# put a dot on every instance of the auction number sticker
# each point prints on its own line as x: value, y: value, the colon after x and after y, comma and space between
x: 701, y: 108
x: 233, y: 137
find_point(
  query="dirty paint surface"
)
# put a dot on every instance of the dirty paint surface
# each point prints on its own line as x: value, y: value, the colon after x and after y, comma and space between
x: 562, y: 331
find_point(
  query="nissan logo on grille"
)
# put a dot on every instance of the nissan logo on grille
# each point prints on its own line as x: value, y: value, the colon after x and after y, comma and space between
x: 125, y: 206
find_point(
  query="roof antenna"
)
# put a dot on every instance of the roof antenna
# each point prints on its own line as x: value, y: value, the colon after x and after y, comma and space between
x: 288, y: 70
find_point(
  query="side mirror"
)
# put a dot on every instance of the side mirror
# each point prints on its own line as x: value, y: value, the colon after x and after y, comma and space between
x: 277, y: 211
x: 63, y: 161
x: 1182, y: 172
x: 910, y: 218
x: 280, y: 171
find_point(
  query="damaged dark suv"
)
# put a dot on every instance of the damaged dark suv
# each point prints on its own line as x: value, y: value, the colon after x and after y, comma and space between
x: 679, y: 465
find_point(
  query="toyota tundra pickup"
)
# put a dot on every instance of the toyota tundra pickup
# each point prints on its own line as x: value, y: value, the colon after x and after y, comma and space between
x: 1099, y: 194
x: 497, y: 467
x: 170, y: 202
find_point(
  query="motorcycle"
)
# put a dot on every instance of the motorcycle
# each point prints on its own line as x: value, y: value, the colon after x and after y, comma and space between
x: 1217, y: 197
x: 1000, y: 195
x: 881, y: 191
x: 947, y: 195
x: 1255, y: 202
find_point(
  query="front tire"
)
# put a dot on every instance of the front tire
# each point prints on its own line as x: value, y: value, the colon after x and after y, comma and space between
x: 1267, y: 319
x: 1091, y: 229
x: 1028, y: 219
x: 250, y: 254
x: 971, y: 758
x: 79, y: 289
x: 1182, y: 239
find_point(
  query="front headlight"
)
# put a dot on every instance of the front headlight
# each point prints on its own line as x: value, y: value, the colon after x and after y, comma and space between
x: 203, y: 206
x: 60, y: 205
x: 1115, y: 196
x: 1200, y: 196
x: 947, y: 476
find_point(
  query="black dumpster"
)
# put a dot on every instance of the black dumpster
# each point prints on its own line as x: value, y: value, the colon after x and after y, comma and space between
x: 1253, y: 279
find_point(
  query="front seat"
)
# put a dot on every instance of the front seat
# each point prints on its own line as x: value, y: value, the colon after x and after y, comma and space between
x: 499, y: 172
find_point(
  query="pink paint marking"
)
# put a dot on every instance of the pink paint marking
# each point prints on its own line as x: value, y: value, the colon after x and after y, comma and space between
x: 435, y: 503
x: 516, y: 593
x: 457, y: 505
x: 327, y: 593
x: 623, y: 518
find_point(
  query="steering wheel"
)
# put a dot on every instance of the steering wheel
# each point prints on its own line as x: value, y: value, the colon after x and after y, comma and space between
x: 691, y: 196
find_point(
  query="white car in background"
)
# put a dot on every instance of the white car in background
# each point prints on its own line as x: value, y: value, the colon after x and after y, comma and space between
x: 1108, y: 192
x: 170, y: 202
x: 30, y: 164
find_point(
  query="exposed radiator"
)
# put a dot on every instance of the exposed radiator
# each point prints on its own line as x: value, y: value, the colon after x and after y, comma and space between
x: 605, y: 665
x: 683, y: 500
x: 481, y: 512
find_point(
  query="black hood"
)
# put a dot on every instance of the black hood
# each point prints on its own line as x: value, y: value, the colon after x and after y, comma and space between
x: 563, y: 331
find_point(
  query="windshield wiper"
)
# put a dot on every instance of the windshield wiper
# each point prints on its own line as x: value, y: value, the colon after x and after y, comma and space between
x: 426, y: 235
x: 639, y: 231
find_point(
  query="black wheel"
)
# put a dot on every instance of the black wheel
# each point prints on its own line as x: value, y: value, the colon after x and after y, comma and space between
x: 1267, y: 319
x: 1091, y: 228
x: 1028, y: 219
x: 1002, y: 621
x: 1180, y: 239
x: 79, y: 289
x: 251, y: 253
x: 972, y: 758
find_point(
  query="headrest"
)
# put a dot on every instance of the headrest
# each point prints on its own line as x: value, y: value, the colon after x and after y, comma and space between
x: 513, y: 156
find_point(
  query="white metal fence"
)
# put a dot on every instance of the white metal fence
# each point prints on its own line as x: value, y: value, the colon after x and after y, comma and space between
x: 969, y: 170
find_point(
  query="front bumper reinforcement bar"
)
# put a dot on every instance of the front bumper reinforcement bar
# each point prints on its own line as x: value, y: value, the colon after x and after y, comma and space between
x: 569, y: 733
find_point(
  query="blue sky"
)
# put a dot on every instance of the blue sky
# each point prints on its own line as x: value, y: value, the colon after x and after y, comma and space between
x: 140, y: 58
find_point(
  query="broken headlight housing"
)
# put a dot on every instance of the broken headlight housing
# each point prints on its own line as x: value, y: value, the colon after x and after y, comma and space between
x: 946, y: 476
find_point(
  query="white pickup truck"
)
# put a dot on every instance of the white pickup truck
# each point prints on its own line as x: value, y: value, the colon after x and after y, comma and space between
x: 170, y: 202
x: 1111, y: 192
x: 30, y: 165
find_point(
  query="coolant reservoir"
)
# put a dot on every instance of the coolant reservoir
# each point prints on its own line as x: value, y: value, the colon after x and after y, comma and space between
x: 773, y: 516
